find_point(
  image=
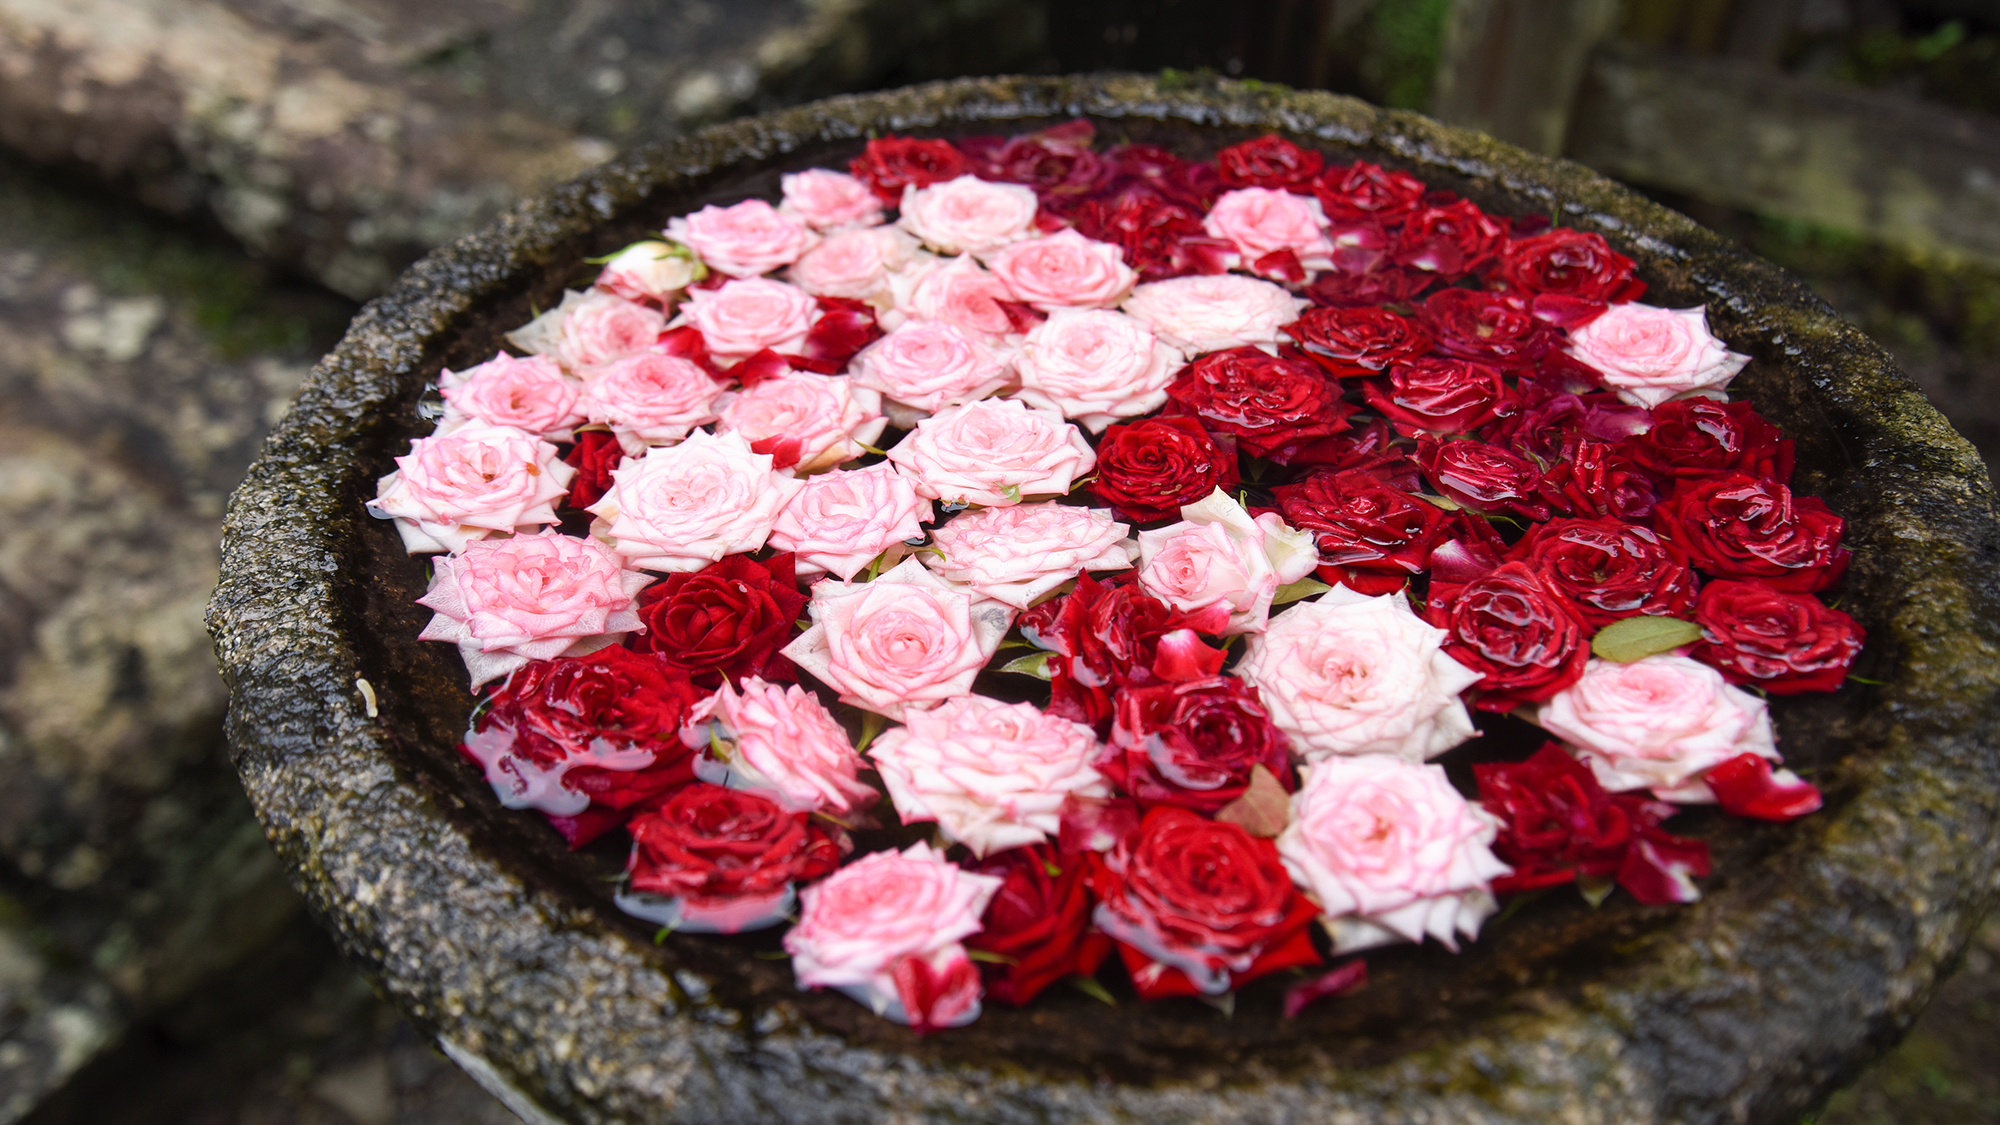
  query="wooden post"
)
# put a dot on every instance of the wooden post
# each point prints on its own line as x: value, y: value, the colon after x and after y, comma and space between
x: 1512, y: 67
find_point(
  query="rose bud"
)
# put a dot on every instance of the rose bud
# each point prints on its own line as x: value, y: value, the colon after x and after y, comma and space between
x: 1147, y: 469
x: 728, y: 619
x: 1569, y: 263
x: 1270, y: 161
x: 1364, y: 192
x: 1372, y: 536
x: 891, y: 163
x: 723, y: 860
x: 1358, y: 342
x: 1609, y: 569
x: 1482, y: 477
x: 1741, y: 526
x: 1271, y: 404
x: 1782, y: 642
x: 1516, y: 630
x: 1440, y: 395
x: 1038, y: 922
x: 1194, y: 744
x: 1485, y: 326
x: 1700, y: 437
x: 1449, y: 241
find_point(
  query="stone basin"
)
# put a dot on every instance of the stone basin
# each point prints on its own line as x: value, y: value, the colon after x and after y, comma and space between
x: 1815, y: 946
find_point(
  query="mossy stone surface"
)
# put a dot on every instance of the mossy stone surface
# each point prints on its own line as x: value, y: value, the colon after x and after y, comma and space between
x: 1815, y: 945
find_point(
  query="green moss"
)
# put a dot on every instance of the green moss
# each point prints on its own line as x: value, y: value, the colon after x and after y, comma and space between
x: 1406, y: 38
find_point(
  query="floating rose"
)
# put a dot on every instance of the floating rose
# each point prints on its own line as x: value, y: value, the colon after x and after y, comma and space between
x: 744, y: 239
x: 524, y: 394
x: 1218, y: 555
x: 715, y: 860
x: 452, y: 490
x: 1657, y: 724
x: 1649, y: 355
x: 650, y: 399
x: 826, y: 200
x: 839, y: 521
x: 1014, y: 555
x: 685, y: 506
x: 778, y: 739
x: 1095, y: 366
x: 993, y: 453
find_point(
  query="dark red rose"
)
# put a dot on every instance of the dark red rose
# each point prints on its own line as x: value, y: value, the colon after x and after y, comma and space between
x: 1746, y: 786
x: 1270, y: 161
x: 1516, y: 630
x: 1483, y: 477
x: 1591, y: 478
x: 1110, y: 638
x: 1543, y: 428
x: 1389, y: 285
x: 1700, y: 437
x: 1353, y: 343
x: 1058, y: 162
x: 1740, y: 526
x: 1450, y: 241
x: 1372, y: 536
x: 727, y: 852
x: 891, y: 163
x: 1441, y: 395
x: 1783, y: 642
x: 1610, y: 569
x: 1272, y: 404
x: 1364, y: 192
x: 1193, y: 744
x: 1190, y: 183
x: 1568, y: 263
x: 594, y: 455
x: 1147, y: 469
x: 844, y: 327
x: 728, y: 619
x: 1039, y: 921
x: 1485, y: 326
x: 1373, y: 449
x: 1160, y: 238
x: 1558, y: 823
x: 1211, y: 894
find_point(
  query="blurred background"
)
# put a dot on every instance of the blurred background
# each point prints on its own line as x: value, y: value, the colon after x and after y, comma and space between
x: 196, y: 195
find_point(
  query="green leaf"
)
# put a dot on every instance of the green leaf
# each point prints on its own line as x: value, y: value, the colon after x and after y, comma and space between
x: 991, y: 957
x: 660, y: 937
x: 1304, y: 588
x: 1595, y: 891
x: 1636, y: 638
x: 1012, y: 493
x: 1034, y: 664
x: 1053, y: 871
x: 1091, y: 987
x: 871, y: 725
x: 1445, y: 502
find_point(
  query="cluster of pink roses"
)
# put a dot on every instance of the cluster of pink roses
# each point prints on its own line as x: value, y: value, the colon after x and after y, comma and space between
x: 1147, y: 430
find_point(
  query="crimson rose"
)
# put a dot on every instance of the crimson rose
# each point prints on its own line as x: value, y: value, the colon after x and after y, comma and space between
x: 1193, y: 744
x: 1609, y: 569
x: 891, y: 163
x: 710, y: 845
x: 594, y: 455
x: 1700, y: 437
x: 1389, y: 285
x: 1514, y: 629
x: 1058, y: 162
x: 1592, y: 478
x: 1359, y: 341
x: 1482, y: 477
x: 1364, y: 192
x: 1449, y: 241
x: 1372, y: 537
x: 1740, y: 526
x: 1485, y: 326
x: 1147, y: 469
x: 1160, y: 238
x: 1155, y: 171
x: 1039, y: 921
x: 1270, y: 161
x: 728, y: 619
x: 1273, y: 404
x: 1440, y: 395
x: 1570, y: 263
x: 1107, y: 638
x: 1783, y: 642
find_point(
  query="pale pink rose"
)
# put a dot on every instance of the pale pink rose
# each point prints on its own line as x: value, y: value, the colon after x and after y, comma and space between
x: 542, y: 335
x: 1095, y: 366
x: 780, y: 739
x: 744, y: 239
x: 1064, y: 270
x: 826, y: 200
x: 992, y: 775
x: 505, y: 602
x: 1391, y: 852
x: 681, y: 507
x: 904, y: 642
x: 855, y: 264
x: 968, y: 214
x: 1264, y: 221
x: 600, y: 328
x: 815, y: 421
x: 741, y: 318
x: 957, y: 291
x: 1649, y: 355
x: 1349, y: 674
x: 1217, y: 554
x: 929, y: 364
x: 476, y: 481
x: 526, y: 394
x: 841, y: 520
x: 649, y: 271
x: 1657, y: 723
x: 650, y: 399
x: 858, y: 923
x: 1209, y: 313
x: 993, y: 453
x: 1015, y: 555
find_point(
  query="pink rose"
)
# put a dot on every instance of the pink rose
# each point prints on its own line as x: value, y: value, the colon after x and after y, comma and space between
x: 839, y: 521
x: 650, y: 399
x: 599, y: 328
x: 474, y: 482
x: 1217, y: 554
x: 1095, y: 366
x: 505, y: 602
x: 854, y: 264
x: 1264, y: 221
x: 818, y: 421
x: 1014, y: 555
x: 1350, y: 674
x: 741, y: 318
x: 993, y: 453
x: 992, y: 775
x: 526, y: 394
x: 649, y: 271
x: 681, y: 507
x: 745, y: 239
x: 957, y: 291
x: 903, y: 642
x: 1658, y: 724
x: 862, y: 928
x: 826, y: 200
x: 1064, y: 270
x: 1391, y: 852
x: 778, y: 739
x: 968, y: 214
x: 1210, y: 313
x: 1649, y: 355
x: 928, y: 364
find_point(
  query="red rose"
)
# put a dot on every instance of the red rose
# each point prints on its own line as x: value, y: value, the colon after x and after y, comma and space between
x: 1516, y: 630
x: 728, y: 619
x: 1110, y: 638
x: 891, y: 163
x: 1569, y: 263
x: 1147, y: 469
x: 594, y: 455
x: 1358, y: 342
x: 1372, y: 536
x: 1449, y: 241
x: 711, y: 845
x: 1543, y: 429
x: 1592, y: 478
x: 1039, y: 921
x: 1740, y: 526
x: 1441, y: 395
x: 1200, y: 907
x: 1390, y: 285
x: 1364, y: 192
x: 1783, y: 642
x: 1610, y: 569
x: 1271, y: 403
x: 1194, y: 744
x: 1270, y: 161
x: 1057, y: 162
x: 1700, y: 437
x: 1160, y: 173
x: 1160, y: 238
x: 1482, y: 477
x: 1485, y: 326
